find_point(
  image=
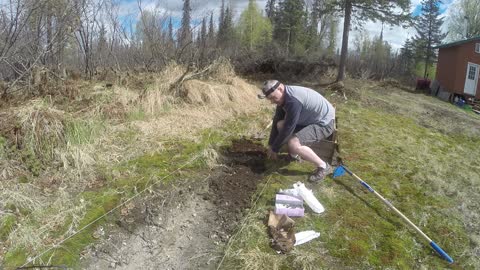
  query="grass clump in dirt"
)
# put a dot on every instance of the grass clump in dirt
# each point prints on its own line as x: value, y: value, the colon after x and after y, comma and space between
x: 79, y: 131
x: 43, y: 132
x: 7, y: 224
x: 99, y: 204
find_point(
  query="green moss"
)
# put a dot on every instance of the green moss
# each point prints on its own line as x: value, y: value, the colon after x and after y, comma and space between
x: 15, y: 258
x: 3, y: 147
x: 149, y: 168
x: 31, y: 161
x: 69, y: 252
x: 23, y: 179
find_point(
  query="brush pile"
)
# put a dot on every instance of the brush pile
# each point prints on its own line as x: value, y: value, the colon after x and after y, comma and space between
x: 42, y: 131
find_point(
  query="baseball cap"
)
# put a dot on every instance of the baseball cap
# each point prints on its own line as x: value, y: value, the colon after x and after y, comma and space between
x: 268, y: 87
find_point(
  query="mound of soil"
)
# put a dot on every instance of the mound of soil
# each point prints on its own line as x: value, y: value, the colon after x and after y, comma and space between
x: 232, y: 192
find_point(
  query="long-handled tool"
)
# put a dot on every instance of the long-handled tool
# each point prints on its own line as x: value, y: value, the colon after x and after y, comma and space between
x: 340, y: 170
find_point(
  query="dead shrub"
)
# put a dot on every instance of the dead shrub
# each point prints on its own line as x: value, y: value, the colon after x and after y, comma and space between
x: 42, y: 131
x: 221, y: 71
x: 115, y: 110
x: 70, y: 90
x: 11, y: 169
x: 10, y: 127
x: 346, y: 92
x: 392, y: 83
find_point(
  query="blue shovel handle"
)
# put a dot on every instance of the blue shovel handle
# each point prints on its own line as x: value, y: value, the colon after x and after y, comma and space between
x: 441, y: 252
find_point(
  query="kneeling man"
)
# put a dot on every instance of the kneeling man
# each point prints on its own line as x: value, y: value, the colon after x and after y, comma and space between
x: 302, y: 117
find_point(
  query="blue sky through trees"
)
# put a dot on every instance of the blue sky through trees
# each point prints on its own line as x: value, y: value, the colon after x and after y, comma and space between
x: 129, y: 13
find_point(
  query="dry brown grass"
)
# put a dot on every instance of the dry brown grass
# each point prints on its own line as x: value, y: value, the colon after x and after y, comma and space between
x: 35, y: 233
x: 203, y: 104
x: 42, y: 130
x: 221, y: 71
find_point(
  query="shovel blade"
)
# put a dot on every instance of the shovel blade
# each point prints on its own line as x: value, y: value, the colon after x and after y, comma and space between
x: 339, y: 171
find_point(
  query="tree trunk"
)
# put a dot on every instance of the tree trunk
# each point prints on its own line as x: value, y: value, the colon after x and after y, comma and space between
x: 427, y: 57
x: 346, y: 31
x: 49, y: 53
x: 426, y: 68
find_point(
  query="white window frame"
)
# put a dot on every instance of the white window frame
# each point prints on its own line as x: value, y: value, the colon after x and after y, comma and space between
x: 477, y: 47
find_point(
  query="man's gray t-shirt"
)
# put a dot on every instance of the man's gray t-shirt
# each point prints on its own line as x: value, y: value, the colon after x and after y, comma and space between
x: 302, y: 107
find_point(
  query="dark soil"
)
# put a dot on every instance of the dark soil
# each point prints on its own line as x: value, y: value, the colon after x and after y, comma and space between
x: 232, y: 192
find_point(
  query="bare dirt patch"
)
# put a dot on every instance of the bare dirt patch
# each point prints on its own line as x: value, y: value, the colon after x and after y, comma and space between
x: 185, y: 226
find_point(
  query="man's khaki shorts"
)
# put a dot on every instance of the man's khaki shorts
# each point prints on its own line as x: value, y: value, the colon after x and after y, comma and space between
x: 314, y: 133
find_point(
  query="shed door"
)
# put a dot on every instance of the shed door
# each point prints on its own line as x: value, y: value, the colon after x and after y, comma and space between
x: 471, y: 80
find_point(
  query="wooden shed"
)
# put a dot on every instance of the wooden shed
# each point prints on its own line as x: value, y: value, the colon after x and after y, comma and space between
x: 458, y: 67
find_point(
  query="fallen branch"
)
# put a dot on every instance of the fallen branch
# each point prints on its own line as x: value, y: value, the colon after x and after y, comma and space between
x: 185, y: 77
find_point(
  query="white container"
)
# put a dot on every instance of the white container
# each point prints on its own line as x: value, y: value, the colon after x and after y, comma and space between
x: 305, y: 236
x: 309, y: 198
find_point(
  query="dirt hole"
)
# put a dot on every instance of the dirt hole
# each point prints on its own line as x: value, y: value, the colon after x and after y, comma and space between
x: 232, y: 190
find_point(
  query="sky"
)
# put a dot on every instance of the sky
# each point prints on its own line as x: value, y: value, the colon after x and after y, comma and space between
x: 396, y: 35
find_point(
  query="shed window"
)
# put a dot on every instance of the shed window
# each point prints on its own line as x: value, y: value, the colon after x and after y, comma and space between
x: 471, y: 73
x: 477, y: 47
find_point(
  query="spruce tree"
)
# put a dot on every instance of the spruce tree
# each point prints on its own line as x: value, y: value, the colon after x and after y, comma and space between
x: 270, y: 9
x: 407, y: 57
x: 211, y: 28
x: 221, y: 20
x: 429, y: 35
x: 289, y: 27
x: 185, y: 31
x: 203, y: 33
x: 226, y: 32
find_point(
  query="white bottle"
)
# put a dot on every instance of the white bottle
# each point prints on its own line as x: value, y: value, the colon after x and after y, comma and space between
x: 309, y: 198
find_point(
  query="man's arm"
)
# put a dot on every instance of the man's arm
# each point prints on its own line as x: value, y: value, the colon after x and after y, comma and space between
x: 293, y: 109
x: 279, y: 115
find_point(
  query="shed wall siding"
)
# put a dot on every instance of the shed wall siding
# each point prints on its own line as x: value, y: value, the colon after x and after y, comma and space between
x: 452, y: 66
x: 446, y: 67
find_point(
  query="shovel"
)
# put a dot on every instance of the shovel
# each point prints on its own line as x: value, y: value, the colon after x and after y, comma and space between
x: 340, y: 170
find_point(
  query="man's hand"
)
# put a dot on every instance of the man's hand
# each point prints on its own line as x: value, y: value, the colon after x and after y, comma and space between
x: 271, y: 154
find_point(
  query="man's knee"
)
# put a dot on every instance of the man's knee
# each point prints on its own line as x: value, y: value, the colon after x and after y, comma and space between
x: 294, y: 143
x: 280, y: 124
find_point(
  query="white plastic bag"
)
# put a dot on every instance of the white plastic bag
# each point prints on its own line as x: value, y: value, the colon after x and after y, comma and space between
x: 309, y: 198
x: 305, y: 236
